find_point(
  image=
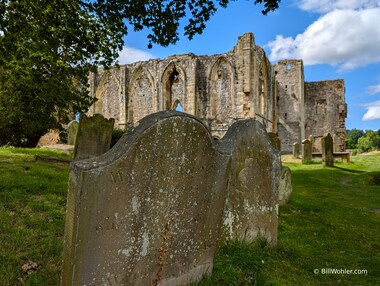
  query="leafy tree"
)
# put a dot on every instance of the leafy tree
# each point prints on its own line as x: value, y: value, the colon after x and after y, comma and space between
x: 352, y: 137
x: 48, y: 47
x: 369, y: 142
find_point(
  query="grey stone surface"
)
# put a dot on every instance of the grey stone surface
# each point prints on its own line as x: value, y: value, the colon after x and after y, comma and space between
x: 251, y: 204
x: 306, y: 152
x: 148, y: 212
x: 285, y: 187
x: 72, y: 131
x: 93, y: 137
x: 296, y: 150
x: 328, y: 150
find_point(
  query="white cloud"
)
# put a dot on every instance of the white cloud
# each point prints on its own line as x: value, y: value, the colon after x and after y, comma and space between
x: 343, y: 38
x: 130, y: 55
x: 373, y: 89
x: 373, y: 111
x: 325, y: 6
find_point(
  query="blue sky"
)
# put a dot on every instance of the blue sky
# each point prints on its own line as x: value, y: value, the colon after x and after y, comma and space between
x: 336, y: 39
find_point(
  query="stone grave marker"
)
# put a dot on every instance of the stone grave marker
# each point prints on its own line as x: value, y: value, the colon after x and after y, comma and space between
x: 328, y: 150
x: 252, y: 194
x: 296, y: 150
x: 285, y: 188
x: 147, y: 212
x: 93, y: 137
x: 72, y: 130
x: 306, y: 151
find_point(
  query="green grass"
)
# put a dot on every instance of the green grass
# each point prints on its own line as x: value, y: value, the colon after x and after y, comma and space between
x: 332, y: 221
x: 32, y: 209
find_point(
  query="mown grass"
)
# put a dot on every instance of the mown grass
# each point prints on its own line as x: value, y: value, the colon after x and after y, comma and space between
x: 32, y: 209
x: 331, y: 221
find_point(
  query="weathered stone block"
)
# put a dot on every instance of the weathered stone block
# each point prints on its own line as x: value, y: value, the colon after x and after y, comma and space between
x: 72, y: 131
x: 285, y: 188
x: 93, y: 137
x: 296, y: 150
x: 251, y: 204
x: 328, y: 150
x: 148, y: 212
x: 306, y: 151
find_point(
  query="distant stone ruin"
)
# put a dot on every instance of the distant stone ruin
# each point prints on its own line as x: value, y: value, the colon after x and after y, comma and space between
x: 153, y: 209
x: 222, y: 89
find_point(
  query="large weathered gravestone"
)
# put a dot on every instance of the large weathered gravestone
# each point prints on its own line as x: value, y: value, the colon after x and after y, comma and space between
x: 328, y: 150
x: 148, y: 212
x: 251, y: 202
x: 93, y: 137
x: 72, y: 131
x: 306, y: 151
x: 285, y: 189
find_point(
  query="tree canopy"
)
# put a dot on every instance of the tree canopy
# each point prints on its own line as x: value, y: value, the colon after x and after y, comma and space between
x: 48, y: 47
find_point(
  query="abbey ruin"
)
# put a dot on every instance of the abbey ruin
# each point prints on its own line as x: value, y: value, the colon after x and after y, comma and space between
x: 222, y: 89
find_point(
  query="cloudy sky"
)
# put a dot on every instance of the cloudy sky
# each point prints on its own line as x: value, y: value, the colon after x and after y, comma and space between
x: 335, y: 39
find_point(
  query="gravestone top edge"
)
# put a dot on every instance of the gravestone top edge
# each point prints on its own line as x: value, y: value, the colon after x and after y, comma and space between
x: 131, y: 136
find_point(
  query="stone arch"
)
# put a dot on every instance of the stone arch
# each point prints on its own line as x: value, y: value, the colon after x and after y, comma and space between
x: 177, y: 106
x: 141, y: 100
x: 222, y: 91
x: 107, y: 103
x: 262, y: 100
x: 173, y: 87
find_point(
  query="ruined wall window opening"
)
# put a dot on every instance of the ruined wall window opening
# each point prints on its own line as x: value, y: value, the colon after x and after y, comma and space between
x: 288, y: 67
x: 286, y: 116
x: 178, y: 106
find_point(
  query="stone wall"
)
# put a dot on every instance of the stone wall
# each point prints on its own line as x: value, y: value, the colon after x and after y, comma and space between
x: 326, y: 111
x: 222, y: 89
x: 219, y: 89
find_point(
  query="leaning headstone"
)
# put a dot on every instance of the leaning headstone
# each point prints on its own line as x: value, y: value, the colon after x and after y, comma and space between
x: 72, y: 131
x: 306, y: 151
x: 296, y: 150
x: 148, y: 212
x: 328, y: 150
x: 285, y: 188
x: 251, y: 209
x: 93, y: 137
x: 276, y: 142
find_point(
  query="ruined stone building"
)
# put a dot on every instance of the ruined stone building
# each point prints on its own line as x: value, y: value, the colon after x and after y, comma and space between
x: 221, y: 89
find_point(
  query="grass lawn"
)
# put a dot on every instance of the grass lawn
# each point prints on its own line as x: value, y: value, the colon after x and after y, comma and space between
x: 332, y: 221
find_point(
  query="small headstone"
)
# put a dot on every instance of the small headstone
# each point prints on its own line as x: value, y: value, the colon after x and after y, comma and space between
x: 93, y: 137
x: 296, y: 150
x: 285, y: 188
x: 312, y: 141
x: 252, y: 195
x: 72, y: 130
x: 306, y: 152
x: 276, y: 142
x: 328, y: 150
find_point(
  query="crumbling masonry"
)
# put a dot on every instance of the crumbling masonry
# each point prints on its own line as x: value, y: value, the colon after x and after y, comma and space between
x: 222, y: 89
